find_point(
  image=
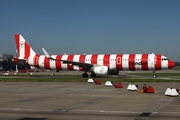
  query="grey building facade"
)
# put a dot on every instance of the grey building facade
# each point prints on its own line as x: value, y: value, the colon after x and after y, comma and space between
x: 6, y: 62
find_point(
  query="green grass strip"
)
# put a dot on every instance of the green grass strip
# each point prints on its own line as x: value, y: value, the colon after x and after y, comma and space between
x: 158, y: 74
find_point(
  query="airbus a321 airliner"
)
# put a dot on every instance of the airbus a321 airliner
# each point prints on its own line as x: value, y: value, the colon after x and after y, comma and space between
x: 93, y: 63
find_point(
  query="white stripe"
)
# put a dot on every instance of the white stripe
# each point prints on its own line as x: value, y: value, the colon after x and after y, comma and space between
x: 41, y: 61
x: 100, y: 59
x: 31, y: 60
x: 88, y: 59
x: 164, y: 63
x: 112, y: 60
x: 52, y: 63
x: 125, y: 61
x: 151, y: 64
x: 64, y: 66
x: 22, y: 47
x: 138, y: 58
x: 76, y: 59
x: 32, y: 53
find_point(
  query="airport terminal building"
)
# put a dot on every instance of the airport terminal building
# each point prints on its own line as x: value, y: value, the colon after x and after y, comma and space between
x: 6, y: 62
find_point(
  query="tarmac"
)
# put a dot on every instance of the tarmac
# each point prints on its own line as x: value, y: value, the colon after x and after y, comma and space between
x: 86, y: 101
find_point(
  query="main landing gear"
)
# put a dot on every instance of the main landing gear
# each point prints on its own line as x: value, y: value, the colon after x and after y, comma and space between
x: 85, y: 75
x: 154, y: 74
x: 93, y: 75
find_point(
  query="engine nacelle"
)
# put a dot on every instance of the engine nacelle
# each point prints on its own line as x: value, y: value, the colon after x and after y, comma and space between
x: 105, y: 70
x: 101, y: 70
x: 113, y: 72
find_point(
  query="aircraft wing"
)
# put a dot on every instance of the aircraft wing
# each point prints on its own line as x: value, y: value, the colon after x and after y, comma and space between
x: 85, y: 66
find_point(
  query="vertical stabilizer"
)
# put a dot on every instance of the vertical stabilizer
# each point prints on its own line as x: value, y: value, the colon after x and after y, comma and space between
x: 24, y: 50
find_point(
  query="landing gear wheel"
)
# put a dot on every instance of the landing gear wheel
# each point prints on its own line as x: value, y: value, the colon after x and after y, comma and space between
x: 93, y: 75
x: 154, y: 76
x: 85, y: 75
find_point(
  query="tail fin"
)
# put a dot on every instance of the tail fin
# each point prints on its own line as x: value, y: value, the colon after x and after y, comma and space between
x: 24, y: 50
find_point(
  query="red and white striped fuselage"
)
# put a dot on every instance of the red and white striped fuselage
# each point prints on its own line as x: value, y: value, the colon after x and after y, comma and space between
x: 113, y: 61
x: 95, y: 63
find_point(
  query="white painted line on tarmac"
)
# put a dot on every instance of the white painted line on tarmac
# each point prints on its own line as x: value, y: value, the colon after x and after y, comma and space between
x: 22, y: 109
x: 94, y: 111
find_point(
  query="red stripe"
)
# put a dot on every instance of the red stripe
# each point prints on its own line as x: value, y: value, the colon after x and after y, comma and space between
x: 145, y: 60
x: 132, y: 62
x: 158, y: 62
x: 58, y: 62
x: 106, y: 59
x: 36, y: 61
x: 47, y: 63
x: 119, y: 62
x: 70, y: 58
x: 27, y: 50
x: 94, y: 59
x: 17, y: 44
x: 82, y: 58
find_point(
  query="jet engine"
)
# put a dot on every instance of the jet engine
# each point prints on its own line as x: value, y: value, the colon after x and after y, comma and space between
x: 105, y: 70
x: 101, y: 70
x: 113, y: 72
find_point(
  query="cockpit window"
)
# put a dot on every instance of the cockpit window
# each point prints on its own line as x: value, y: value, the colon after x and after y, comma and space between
x: 164, y: 59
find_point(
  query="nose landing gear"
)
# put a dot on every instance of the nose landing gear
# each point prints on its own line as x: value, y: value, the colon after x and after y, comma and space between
x: 154, y: 74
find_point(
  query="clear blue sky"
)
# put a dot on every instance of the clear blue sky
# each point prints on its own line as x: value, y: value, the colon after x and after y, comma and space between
x: 93, y: 26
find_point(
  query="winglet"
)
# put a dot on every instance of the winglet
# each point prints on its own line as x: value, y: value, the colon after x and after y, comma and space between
x: 46, y: 53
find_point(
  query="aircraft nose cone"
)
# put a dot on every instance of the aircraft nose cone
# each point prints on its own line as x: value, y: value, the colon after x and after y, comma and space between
x: 171, y: 64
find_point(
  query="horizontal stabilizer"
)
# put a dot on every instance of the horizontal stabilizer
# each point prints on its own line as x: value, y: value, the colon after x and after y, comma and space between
x: 46, y: 53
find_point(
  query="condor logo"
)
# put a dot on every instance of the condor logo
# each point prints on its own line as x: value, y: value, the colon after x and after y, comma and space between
x: 138, y: 63
x: 22, y: 44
